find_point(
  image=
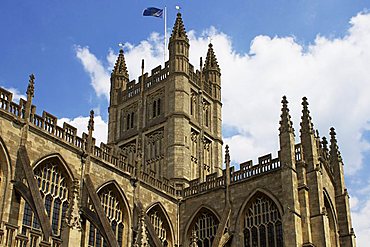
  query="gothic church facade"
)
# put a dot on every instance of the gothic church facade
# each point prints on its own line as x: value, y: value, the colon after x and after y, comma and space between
x: 160, y: 178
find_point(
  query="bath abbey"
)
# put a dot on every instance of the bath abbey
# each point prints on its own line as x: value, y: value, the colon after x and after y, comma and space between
x: 164, y: 176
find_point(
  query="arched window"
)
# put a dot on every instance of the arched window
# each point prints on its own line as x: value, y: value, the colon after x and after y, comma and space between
x: 203, y: 228
x: 161, y: 225
x: 128, y: 121
x: 262, y: 223
x: 114, y: 209
x: 154, y: 108
x: 331, y: 221
x: 54, y: 190
x: 159, y: 107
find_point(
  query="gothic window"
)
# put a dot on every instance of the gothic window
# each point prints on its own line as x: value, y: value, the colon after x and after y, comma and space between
x: 204, y: 228
x: 114, y: 210
x: 331, y: 219
x: 262, y: 223
x: 156, y: 107
x: 54, y: 191
x: 206, y: 113
x: 154, y: 151
x: 193, y: 104
x: 128, y: 121
x: 129, y: 151
x: 161, y: 225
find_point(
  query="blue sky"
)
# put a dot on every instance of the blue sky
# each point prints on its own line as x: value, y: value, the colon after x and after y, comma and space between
x: 266, y: 49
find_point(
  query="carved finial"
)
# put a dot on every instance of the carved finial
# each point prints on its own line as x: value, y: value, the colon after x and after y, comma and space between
x: 227, y: 154
x: 194, y: 239
x: 201, y: 63
x: 211, y: 60
x: 306, y: 123
x: 286, y: 125
x: 91, y: 121
x: 31, y: 86
x: 334, y: 149
x: 178, y: 31
x: 120, y: 68
x: 325, y: 147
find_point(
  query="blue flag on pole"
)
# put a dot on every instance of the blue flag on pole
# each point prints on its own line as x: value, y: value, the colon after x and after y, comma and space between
x: 152, y: 11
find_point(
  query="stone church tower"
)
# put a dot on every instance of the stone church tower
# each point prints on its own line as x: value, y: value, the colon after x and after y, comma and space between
x: 172, y: 116
x: 160, y: 179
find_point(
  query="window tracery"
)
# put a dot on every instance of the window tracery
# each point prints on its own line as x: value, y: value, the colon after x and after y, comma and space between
x: 55, y: 193
x: 114, y: 210
x: 262, y: 223
x: 204, y: 229
x: 158, y: 225
x: 154, y: 153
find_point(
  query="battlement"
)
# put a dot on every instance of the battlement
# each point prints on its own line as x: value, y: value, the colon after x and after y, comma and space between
x: 48, y: 124
x: 159, y: 75
x: 248, y: 170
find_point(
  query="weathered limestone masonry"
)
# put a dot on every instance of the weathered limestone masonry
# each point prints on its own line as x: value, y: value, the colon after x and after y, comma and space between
x: 159, y: 181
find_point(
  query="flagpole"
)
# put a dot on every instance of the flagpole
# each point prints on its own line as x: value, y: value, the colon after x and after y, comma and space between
x: 165, y: 35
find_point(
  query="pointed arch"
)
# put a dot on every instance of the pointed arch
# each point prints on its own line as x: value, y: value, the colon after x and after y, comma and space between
x: 259, y: 220
x: 54, y: 179
x: 6, y: 174
x: 161, y: 223
x: 202, y: 226
x: 58, y: 159
x: 332, y: 219
x: 117, y: 210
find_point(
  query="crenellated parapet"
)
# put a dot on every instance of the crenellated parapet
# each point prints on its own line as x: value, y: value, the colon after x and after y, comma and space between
x: 48, y: 125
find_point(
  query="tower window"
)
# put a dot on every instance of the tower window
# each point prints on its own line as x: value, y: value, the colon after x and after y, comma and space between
x: 128, y: 121
x: 156, y: 108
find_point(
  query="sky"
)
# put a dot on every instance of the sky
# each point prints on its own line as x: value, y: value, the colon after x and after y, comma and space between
x: 265, y: 48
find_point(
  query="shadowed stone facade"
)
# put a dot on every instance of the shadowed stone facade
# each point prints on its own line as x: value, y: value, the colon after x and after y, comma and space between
x: 159, y: 180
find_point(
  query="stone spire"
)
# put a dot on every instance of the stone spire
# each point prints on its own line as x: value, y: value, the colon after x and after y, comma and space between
x: 211, y: 60
x: 178, y: 31
x: 286, y: 125
x: 120, y: 68
x: 306, y: 123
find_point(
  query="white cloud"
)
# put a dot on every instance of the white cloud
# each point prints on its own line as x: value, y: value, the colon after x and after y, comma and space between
x: 361, y: 223
x: 16, y: 94
x: 99, y: 76
x: 100, y: 127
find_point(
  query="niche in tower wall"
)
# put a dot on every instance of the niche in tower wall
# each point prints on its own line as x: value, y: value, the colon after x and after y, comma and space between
x: 154, y: 152
x: 207, y: 156
x: 193, y: 104
x: 194, y: 151
x: 129, y: 150
x: 155, y: 104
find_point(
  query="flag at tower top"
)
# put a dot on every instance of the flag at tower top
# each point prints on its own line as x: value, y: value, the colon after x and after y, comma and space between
x: 152, y: 11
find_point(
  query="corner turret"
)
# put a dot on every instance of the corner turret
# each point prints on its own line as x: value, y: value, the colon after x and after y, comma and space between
x: 179, y: 47
x: 119, y: 79
x: 212, y: 74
